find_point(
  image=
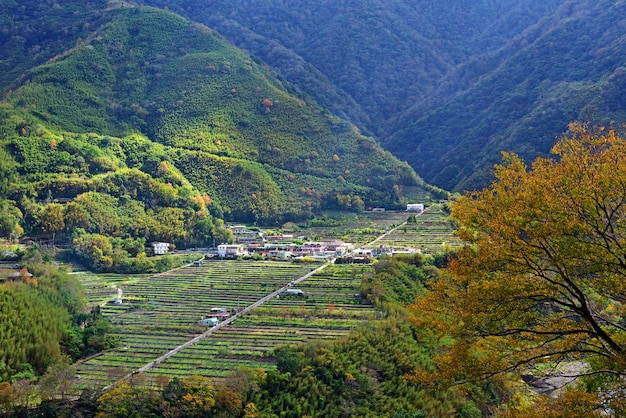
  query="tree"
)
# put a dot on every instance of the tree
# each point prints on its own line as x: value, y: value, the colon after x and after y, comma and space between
x: 75, y: 216
x: 59, y: 381
x: 221, y: 234
x: 198, y: 398
x: 542, y: 275
x: 6, y: 397
x: 125, y: 400
x: 10, y: 217
x: 192, y: 396
x: 52, y: 218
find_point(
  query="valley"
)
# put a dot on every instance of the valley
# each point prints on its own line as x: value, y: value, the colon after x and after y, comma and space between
x: 157, y: 313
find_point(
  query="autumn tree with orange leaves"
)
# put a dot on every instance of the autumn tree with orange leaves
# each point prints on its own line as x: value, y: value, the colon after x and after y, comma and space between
x: 542, y: 277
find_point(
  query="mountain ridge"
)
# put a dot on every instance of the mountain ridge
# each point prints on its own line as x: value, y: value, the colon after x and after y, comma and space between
x: 360, y: 51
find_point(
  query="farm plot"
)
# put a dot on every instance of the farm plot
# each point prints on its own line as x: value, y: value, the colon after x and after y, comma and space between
x: 102, y: 288
x: 331, y: 308
x: 430, y: 233
x: 161, y: 312
x: 356, y: 228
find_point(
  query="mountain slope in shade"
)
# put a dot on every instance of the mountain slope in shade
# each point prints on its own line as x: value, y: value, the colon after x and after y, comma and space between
x: 571, y: 67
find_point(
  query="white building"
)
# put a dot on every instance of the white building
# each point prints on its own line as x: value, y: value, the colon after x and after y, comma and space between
x: 415, y: 207
x: 230, y: 250
x: 239, y: 229
x: 160, y: 248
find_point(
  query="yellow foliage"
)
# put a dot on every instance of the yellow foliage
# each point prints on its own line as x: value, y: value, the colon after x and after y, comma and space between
x: 541, y: 276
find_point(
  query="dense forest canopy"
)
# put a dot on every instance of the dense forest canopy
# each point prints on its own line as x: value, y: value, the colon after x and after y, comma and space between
x: 164, y: 126
x: 445, y: 85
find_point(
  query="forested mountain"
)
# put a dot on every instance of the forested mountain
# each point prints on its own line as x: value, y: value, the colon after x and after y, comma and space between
x: 569, y: 67
x: 138, y: 111
x: 446, y: 85
x: 383, y: 55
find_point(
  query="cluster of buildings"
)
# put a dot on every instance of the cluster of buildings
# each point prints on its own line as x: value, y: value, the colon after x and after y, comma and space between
x: 251, y: 241
x: 285, y: 247
x: 285, y: 250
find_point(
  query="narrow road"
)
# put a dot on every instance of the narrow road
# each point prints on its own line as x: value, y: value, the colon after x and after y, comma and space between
x: 217, y: 327
x: 229, y: 320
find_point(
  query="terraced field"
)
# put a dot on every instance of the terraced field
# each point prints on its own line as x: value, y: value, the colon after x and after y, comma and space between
x: 358, y: 228
x: 329, y: 310
x: 161, y: 312
x: 431, y: 232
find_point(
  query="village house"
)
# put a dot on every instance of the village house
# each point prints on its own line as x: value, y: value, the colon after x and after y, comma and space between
x: 279, y: 238
x: 231, y: 250
x: 160, y: 248
x: 243, y: 235
x: 239, y: 229
x: 313, y: 248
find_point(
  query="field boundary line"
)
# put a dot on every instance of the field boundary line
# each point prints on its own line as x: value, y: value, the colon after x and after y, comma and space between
x: 216, y: 328
x: 383, y: 235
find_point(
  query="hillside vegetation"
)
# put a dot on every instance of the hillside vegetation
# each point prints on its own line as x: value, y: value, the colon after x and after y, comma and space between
x: 569, y: 67
x: 445, y: 85
x: 151, y: 125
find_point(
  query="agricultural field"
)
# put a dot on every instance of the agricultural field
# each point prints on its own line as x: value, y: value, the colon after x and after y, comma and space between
x: 329, y: 310
x: 161, y: 312
x: 431, y: 232
x: 356, y: 228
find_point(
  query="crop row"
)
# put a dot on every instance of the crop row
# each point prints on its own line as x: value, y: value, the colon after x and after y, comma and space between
x: 147, y: 330
x: 253, y: 337
x: 160, y: 312
x: 430, y: 232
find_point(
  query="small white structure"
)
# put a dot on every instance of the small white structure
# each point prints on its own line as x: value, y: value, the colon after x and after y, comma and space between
x: 118, y: 299
x: 160, y: 248
x: 230, y: 250
x: 291, y: 292
x: 415, y: 207
x: 209, y: 322
x: 396, y: 251
x: 362, y: 252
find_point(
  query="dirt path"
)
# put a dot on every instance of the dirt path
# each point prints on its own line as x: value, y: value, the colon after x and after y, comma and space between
x: 217, y: 327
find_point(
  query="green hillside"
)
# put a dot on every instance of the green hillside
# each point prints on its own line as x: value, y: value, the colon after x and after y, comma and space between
x: 371, y: 60
x: 445, y: 85
x: 160, y: 116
